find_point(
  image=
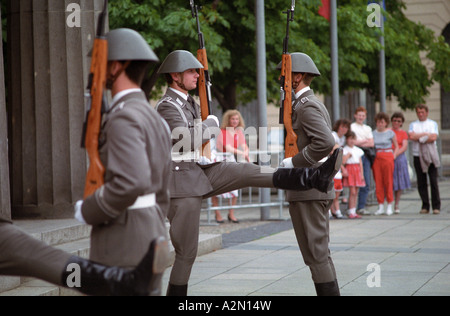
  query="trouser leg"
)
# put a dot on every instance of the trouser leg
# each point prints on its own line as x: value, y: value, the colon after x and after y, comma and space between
x: 311, y: 225
x: 378, y: 177
x: 23, y: 255
x: 364, y: 192
x: 389, y: 184
x: 435, y: 195
x: 225, y: 177
x: 184, y: 217
x: 229, y: 176
x: 422, y: 185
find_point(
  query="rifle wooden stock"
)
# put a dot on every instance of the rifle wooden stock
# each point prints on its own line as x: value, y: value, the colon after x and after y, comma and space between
x: 290, y: 144
x: 96, y: 171
x: 203, y: 94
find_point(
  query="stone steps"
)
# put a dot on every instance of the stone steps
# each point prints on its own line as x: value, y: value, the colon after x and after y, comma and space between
x: 73, y: 237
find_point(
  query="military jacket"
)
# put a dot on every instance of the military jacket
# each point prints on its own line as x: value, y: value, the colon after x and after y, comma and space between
x: 134, y: 147
x: 184, y: 119
x: 312, y: 124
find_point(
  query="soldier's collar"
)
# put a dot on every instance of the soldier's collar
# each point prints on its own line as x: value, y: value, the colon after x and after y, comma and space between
x: 121, y: 95
x: 305, y: 89
x: 302, y: 96
x: 179, y: 93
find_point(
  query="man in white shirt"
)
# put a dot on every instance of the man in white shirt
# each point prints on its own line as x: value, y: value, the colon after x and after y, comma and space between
x: 364, y: 140
x: 425, y: 131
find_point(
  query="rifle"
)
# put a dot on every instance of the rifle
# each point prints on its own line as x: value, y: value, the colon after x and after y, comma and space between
x: 204, y: 81
x: 96, y: 100
x: 290, y: 145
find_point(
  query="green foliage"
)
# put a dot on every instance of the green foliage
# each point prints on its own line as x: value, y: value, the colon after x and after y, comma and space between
x: 229, y: 31
x: 407, y: 77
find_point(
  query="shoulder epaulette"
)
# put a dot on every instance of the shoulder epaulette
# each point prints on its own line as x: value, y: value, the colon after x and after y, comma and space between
x: 304, y: 100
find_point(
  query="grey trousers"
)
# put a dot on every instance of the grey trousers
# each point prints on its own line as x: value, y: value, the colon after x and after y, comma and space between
x: 23, y: 255
x: 311, y: 224
x: 184, y: 213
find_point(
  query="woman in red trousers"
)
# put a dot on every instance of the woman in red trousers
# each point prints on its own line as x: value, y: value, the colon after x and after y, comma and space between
x: 383, y: 166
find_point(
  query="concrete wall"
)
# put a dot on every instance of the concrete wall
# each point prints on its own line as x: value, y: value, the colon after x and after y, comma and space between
x: 5, y: 205
x: 49, y: 69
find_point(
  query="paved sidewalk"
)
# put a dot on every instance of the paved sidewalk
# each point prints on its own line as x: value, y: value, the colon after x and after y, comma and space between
x: 405, y: 254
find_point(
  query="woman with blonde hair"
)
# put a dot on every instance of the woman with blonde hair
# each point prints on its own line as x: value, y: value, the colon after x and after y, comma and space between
x: 231, y: 146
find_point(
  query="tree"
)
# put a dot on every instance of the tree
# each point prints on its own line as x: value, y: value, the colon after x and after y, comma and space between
x: 229, y: 29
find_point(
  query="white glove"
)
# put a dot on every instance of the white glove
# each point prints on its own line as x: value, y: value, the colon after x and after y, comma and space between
x: 78, y: 216
x: 287, y: 163
x: 214, y: 118
x: 204, y: 161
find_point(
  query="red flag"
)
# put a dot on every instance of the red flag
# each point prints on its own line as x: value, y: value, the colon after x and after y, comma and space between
x: 324, y: 10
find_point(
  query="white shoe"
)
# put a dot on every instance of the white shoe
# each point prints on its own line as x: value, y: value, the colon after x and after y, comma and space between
x: 363, y: 212
x: 380, y: 210
x: 389, y: 210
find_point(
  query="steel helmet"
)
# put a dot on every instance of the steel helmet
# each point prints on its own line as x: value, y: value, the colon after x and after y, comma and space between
x: 127, y: 44
x: 179, y: 61
x: 302, y: 63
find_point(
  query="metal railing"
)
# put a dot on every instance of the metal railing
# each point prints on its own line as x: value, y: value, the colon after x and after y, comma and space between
x: 247, y: 198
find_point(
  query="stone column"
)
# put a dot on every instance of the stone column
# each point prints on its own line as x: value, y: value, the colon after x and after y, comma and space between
x: 49, y: 69
x: 5, y: 205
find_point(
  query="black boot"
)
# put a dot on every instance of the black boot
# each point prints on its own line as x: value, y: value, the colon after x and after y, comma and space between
x: 303, y: 179
x: 100, y: 280
x: 177, y: 290
x: 327, y: 289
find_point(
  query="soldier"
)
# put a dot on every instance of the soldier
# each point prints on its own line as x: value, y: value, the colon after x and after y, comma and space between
x: 309, y: 209
x: 194, y: 178
x: 129, y: 210
x: 23, y: 255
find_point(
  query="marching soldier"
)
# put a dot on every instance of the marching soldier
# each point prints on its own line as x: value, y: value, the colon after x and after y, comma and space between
x: 128, y: 212
x: 194, y: 178
x: 23, y: 255
x: 309, y: 209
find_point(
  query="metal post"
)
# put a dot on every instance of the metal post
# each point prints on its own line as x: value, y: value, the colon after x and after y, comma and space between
x: 262, y: 87
x: 382, y: 65
x: 334, y: 60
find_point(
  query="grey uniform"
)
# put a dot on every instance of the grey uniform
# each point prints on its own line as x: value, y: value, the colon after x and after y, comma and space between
x: 21, y: 254
x: 191, y: 182
x: 134, y: 147
x: 309, y: 209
